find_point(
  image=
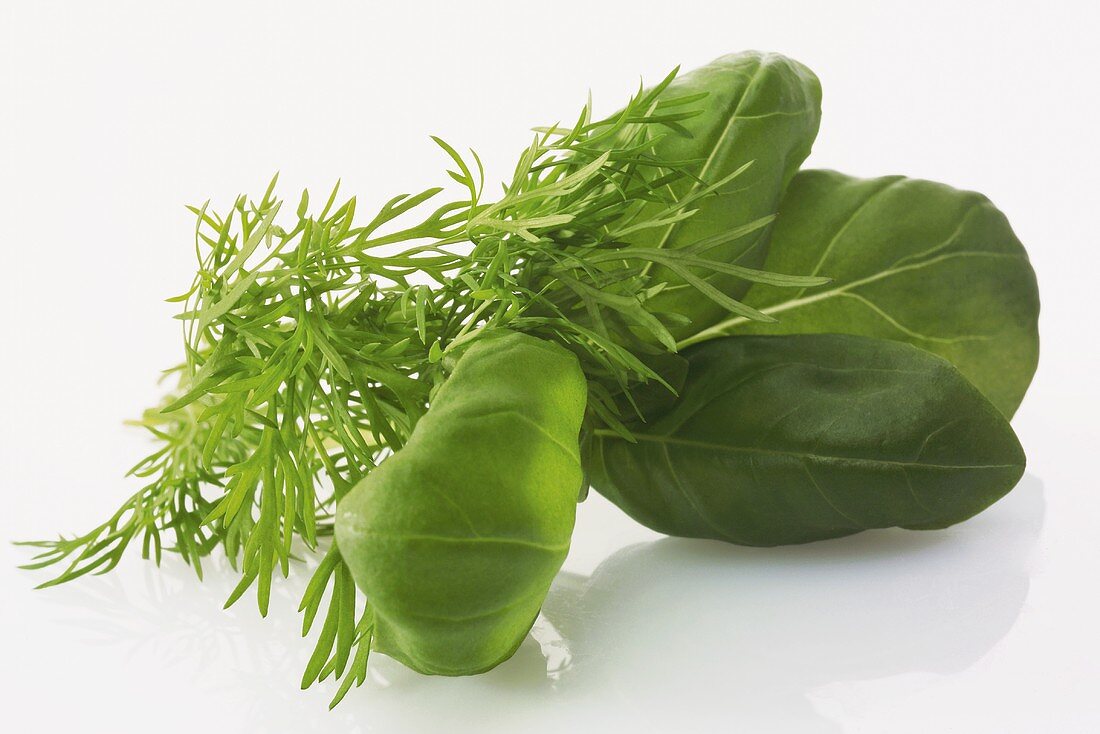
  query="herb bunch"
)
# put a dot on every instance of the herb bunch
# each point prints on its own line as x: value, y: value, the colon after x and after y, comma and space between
x: 313, y: 346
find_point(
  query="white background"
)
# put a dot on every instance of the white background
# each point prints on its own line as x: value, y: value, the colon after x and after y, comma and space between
x: 117, y: 114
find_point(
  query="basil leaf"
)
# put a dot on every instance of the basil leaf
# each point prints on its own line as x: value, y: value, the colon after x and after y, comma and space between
x: 456, y: 537
x: 760, y: 109
x: 788, y: 439
x: 911, y: 260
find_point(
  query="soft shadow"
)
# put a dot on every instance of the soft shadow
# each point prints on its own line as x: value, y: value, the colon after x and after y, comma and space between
x: 163, y: 614
x: 666, y: 632
x: 679, y: 626
x: 164, y: 617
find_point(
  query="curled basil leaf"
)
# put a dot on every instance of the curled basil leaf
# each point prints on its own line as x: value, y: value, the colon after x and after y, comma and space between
x: 789, y: 439
x: 911, y: 260
x: 456, y: 537
x: 761, y: 110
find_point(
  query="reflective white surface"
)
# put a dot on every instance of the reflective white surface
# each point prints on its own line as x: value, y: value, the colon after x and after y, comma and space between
x: 662, y: 633
x: 113, y: 119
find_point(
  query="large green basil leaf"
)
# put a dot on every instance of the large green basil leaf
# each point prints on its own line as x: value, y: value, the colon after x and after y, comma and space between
x: 456, y: 537
x: 911, y: 260
x: 761, y: 109
x: 788, y: 439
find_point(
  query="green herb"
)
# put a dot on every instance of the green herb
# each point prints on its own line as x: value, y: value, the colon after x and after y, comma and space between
x: 911, y: 260
x: 761, y: 110
x: 454, y: 541
x: 789, y: 439
x: 421, y: 383
x: 314, y: 345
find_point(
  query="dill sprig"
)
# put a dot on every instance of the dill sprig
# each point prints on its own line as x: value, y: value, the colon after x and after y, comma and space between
x: 312, y: 347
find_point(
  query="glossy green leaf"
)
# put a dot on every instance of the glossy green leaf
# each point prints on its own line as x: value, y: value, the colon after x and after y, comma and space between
x: 760, y: 110
x: 789, y: 439
x: 456, y: 537
x: 911, y: 260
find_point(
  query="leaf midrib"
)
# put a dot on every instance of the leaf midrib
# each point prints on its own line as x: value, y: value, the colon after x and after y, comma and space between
x: 804, y: 455
x: 716, y: 143
x: 723, y: 327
